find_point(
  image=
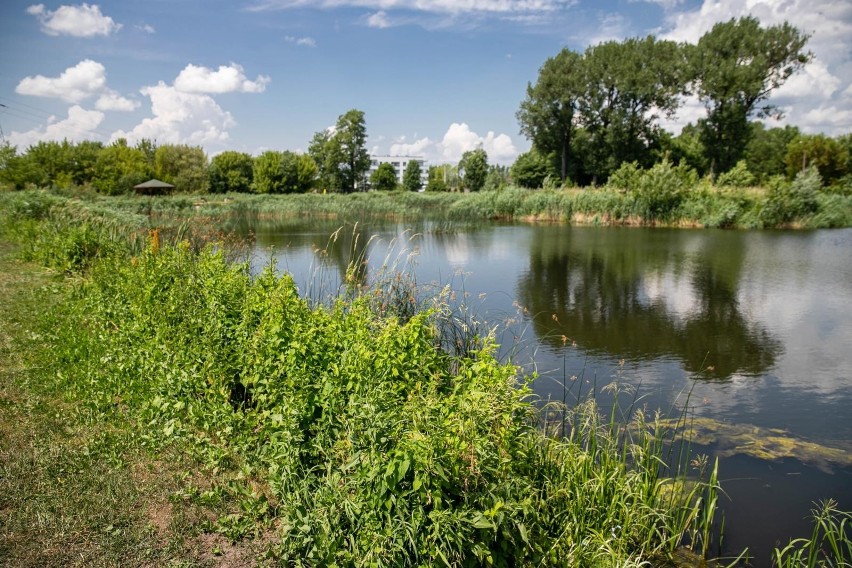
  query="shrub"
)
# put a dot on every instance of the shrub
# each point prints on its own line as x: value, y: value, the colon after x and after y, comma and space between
x: 738, y: 176
x: 789, y: 201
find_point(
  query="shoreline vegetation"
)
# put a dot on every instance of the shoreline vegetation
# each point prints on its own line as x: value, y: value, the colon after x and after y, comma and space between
x: 162, y: 404
x: 664, y: 196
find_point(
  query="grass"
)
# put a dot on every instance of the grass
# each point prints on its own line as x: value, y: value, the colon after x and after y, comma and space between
x: 176, y: 408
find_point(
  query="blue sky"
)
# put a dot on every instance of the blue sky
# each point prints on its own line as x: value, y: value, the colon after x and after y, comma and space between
x: 434, y: 77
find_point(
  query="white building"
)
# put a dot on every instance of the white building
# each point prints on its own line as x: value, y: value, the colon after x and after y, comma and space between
x: 399, y: 164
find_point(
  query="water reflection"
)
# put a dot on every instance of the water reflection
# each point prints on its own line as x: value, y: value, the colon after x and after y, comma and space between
x: 646, y: 295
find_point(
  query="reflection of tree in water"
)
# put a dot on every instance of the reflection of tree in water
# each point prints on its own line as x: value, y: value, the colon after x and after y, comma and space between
x: 591, y: 287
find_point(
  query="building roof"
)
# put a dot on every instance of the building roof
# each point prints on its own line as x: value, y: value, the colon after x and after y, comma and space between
x: 154, y: 184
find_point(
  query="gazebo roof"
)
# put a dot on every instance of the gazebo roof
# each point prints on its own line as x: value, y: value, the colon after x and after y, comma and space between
x: 154, y: 184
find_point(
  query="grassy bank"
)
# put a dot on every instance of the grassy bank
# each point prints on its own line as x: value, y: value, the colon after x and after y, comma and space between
x: 664, y: 195
x: 344, y: 433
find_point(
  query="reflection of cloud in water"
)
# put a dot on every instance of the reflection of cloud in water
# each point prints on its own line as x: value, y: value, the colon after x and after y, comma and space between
x: 671, y: 290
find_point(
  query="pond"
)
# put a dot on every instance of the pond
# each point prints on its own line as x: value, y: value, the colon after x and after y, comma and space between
x: 750, y: 331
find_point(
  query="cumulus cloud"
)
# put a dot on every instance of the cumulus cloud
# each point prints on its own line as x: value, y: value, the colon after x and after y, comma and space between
x: 80, y: 21
x: 180, y: 117
x: 227, y: 79
x: 458, y: 139
x: 79, y: 125
x: 810, y: 97
x: 110, y: 100
x: 73, y: 85
x: 185, y: 113
x: 302, y: 41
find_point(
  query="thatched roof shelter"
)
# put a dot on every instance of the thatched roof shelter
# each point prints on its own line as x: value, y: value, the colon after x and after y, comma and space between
x: 153, y: 187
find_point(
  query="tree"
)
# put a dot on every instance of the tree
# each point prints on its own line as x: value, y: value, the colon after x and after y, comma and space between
x: 735, y: 66
x: 350, y: 151
x: 231, y: 171
x: 496, y: 178
x: 548, y: 115
x: 825, y: 154
x: 767, y: 149
x: 183, y: 166
x: 340, y: 152
x: 628, y: 86
x: 473, y: 169
x: 437, y: 178
x: 322, y: 150
x: 119, y: 167
x: 412, y: 177
x: 268, y: 172
x: 530, y: 169
x: 384, y: 178
x: 84, y: 156
x: 307, y: 173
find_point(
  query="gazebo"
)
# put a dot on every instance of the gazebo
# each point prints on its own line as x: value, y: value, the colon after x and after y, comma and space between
x: 153, y: 187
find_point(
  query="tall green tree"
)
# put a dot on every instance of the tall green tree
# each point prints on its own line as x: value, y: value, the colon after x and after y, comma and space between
x: 629, y: 85
x: 735, y: 66
x: 473, y: 169
x: 548, y: 114
x: 183, y: 166
x: 412, y: 177
x: 231, y: 171
x: 341, y: 153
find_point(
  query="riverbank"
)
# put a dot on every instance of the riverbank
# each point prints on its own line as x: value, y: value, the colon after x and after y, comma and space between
x: 350, y: 432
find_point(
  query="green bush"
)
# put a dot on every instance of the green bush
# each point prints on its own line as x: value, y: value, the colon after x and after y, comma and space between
x: 789, y: 201
x: 660, y: 190
x: 738, y: 176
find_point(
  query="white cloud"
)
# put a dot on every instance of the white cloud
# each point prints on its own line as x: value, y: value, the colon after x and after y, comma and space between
x: 227, y: 79
x: 813, y: 99
x: 110, y: 100
x: 379, y: 20
x: 612, y: 26
x: 73, y: 85
x: 180, y: 117
x: 147, y: 28
x: 458, y: 139
x: 302, y: 41
x: 433, y: 6
x: 80, y: 21
x: 80, y: 125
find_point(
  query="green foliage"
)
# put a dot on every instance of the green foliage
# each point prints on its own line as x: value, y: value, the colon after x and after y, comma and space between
x: 738, y: 176
x: 767, y: 149
x: 736, y: 65
x: 384, y: 178
x: 788, y: 201
x: 444, y: 177
x: 497, y: 178
x: 231, y: 171
x: 412, y: 176
x: 530, y: 169
x: 660, y: 190
x: 120, y: 167
x: 183, y: 166
x: 268, y: 172
x: 828, y: 155
x: 547, y: 114
x: 626, y: 177
x: 473, y: 169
